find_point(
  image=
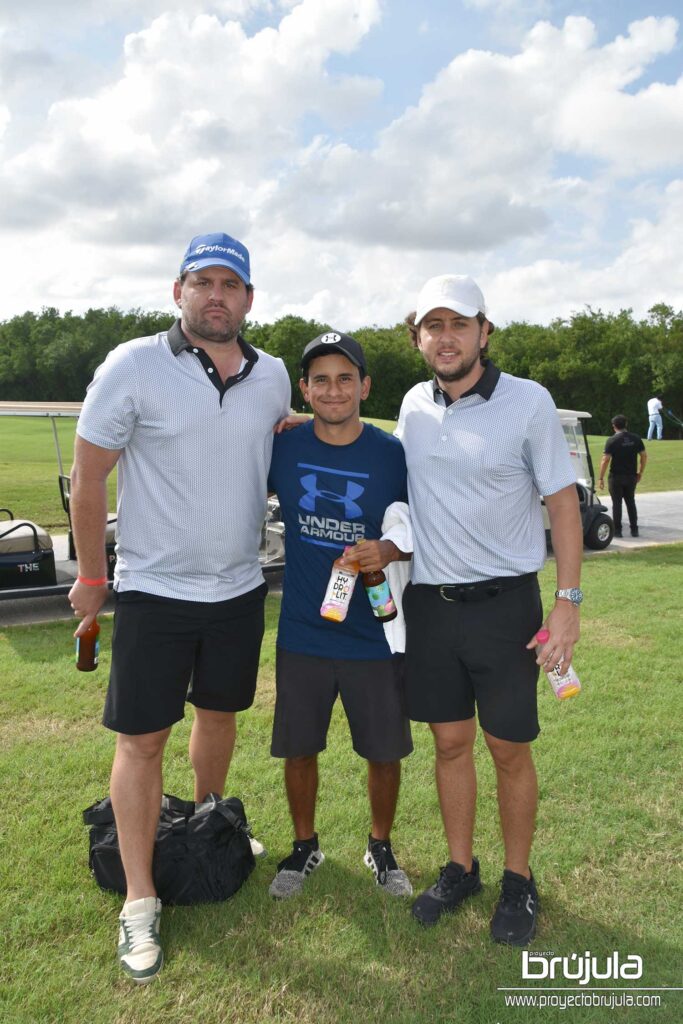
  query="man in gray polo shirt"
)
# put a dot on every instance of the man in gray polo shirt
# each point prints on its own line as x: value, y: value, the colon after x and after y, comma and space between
x: 188, y: 417
x: 481, y: 448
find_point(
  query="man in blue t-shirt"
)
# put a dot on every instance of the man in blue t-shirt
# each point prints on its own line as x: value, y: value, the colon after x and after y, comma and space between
x: 335, y: 477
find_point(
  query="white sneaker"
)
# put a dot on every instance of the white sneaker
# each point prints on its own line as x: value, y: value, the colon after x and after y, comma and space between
x: 140, y: 953
x: 257, y: 848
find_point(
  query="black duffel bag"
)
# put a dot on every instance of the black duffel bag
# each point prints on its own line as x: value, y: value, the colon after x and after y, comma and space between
x: 202, y: 852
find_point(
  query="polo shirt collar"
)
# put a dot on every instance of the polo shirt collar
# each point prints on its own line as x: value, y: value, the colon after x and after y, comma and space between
x: 484, y: 387
x: 178, y: 342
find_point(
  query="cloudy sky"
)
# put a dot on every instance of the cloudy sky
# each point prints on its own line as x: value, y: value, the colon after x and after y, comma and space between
x: 356, y: 146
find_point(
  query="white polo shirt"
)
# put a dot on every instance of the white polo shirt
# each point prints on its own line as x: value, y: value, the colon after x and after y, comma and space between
x: 476, y: 471
x: 192, y: 475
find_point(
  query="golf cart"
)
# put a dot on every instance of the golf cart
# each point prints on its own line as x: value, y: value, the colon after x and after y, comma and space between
x: 33, y: 563
x: 598, y: 528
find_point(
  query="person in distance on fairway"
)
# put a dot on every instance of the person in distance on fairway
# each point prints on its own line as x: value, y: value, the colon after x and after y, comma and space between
x: 334, y: 478
x: 625, y: 472
x: 187, y: 416
x: 481, y: 448
x: 654, y: 415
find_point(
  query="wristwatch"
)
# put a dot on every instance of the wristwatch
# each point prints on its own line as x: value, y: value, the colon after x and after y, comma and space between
x: 573, y: 594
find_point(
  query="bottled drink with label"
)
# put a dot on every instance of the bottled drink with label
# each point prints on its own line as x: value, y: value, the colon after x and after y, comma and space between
x: 564, y: 684
x: 339, y: 590
x: 88, y: 648
x: 379, y: 595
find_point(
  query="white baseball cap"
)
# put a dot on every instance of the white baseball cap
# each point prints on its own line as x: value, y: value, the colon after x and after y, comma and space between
x: 458, y: 292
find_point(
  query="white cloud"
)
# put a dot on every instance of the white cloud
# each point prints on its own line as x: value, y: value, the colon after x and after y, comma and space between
x: 204, y: 125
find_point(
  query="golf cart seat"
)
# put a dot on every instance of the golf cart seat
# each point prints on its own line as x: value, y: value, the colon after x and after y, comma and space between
x: 26, y: 553
x: 110, y: 531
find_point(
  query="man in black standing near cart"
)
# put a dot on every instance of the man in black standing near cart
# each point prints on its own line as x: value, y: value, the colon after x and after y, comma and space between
x: 625, y: 472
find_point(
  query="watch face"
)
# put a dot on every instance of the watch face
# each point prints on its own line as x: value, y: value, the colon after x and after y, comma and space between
x: 573, y: 594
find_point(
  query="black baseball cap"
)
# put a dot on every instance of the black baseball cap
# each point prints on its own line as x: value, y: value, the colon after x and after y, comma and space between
x: 334, y: 341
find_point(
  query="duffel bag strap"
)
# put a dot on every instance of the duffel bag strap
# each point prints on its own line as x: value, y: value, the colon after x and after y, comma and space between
x: 175, y: 807
x: 99, y: 813
x: 227, y: 812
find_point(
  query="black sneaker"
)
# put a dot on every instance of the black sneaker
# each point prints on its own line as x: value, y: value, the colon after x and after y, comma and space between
x: 634, y: 531
x: 379, y: 857
x: 451, y: 888
x: 514, y: 921
x: 293, y: 871
x: 618, y: 533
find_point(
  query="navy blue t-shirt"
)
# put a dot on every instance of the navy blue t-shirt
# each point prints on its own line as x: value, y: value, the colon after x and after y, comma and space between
x: 331, y: 496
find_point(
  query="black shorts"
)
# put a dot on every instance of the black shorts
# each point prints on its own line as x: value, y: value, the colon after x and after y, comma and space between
x: 466, y: 654
x: 372, y: 693
x: 166, y: 652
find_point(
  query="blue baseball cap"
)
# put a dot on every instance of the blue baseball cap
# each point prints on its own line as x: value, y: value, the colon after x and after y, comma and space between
x: 217, y: 250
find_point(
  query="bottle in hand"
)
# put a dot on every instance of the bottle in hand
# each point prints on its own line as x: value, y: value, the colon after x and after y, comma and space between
x: 88, y: 648
x: 564, y: 684
x: 379, y: 595
x: 339, y: 590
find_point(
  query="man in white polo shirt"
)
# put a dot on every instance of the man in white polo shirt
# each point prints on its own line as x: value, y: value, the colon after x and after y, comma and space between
x: 654, y: 415
x: 188, y: 417
x: 481, y: 448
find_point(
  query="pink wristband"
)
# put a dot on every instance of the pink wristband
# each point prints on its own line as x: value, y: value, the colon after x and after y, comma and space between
x: 92, y: 583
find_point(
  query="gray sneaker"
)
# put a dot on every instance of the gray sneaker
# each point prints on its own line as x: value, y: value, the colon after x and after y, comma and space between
x: 293, y: 871
x: 139, y: 952
x: 379, y: 857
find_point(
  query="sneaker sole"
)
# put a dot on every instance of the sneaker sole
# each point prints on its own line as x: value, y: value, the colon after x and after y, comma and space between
x: 446, y: 910
x: 142, y: 979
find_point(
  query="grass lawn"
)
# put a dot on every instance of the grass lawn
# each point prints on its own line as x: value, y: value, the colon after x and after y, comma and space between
x: 607, y: 853
x: 28, y: 467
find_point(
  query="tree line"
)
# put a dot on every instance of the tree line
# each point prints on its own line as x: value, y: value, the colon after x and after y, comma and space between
x: 604, y: 363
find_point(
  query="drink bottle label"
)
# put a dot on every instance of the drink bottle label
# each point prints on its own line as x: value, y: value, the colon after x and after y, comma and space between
x: 381, y: 601
x: 96, y: 658
x: 566, y: 685
x: 338, y: 595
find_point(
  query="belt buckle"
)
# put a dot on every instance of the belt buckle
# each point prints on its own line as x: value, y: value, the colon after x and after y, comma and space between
x: 444, y: 597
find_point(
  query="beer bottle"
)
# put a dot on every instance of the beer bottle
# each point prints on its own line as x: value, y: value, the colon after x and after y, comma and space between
x: 88, y: 648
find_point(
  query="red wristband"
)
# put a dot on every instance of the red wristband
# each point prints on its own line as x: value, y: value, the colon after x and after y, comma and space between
x: 92, y: 583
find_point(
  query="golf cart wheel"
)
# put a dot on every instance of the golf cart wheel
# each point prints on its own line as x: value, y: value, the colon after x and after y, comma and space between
x: 600, y: 532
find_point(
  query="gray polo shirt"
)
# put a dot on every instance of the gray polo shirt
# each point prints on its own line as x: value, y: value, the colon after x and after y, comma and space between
x: 476, y: 470
x: 192, y: 475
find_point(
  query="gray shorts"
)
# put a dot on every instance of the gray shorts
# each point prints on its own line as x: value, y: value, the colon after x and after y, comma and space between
x: 372, y: 693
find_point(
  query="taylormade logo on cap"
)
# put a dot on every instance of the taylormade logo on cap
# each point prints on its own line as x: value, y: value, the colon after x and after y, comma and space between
x: 217, y: 250
x: 457, y: 292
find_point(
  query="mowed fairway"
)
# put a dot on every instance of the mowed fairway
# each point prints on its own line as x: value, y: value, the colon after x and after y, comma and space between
x: 607, y: 853
x: 28, y: 467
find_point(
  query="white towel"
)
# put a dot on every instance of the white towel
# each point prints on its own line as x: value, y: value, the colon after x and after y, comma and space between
x: 397, y: 528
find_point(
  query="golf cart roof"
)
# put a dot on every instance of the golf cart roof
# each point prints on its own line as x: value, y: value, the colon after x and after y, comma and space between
x: 569, y: 415
x: 40, y: 408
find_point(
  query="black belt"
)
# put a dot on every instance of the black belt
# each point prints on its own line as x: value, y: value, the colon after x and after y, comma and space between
x: 482, y: 590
